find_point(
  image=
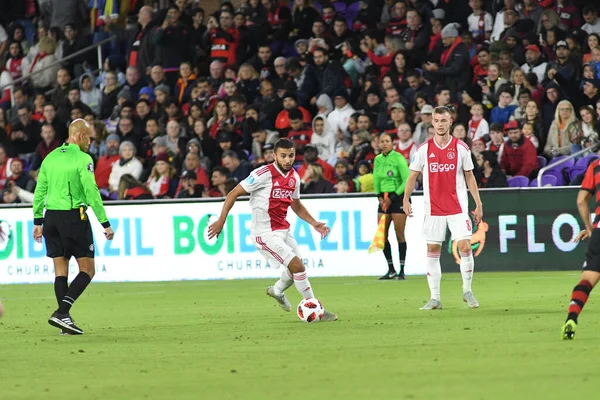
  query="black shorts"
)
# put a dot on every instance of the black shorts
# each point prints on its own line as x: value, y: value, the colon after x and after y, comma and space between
x: 67, y: 235
x: 397, y: 207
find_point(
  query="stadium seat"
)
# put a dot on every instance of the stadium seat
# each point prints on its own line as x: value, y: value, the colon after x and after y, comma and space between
x: 585, y: 161
x: 547, y: 180
x: 339, y: 6
x: 351, y: 12
x: 559, y: 174
x: 518, y: 181
x: 542, y: 162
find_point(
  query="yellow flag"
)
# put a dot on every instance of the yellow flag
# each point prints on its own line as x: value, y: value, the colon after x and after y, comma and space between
x: 379, y: 240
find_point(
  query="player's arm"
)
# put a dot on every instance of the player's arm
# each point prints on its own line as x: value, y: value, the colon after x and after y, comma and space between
x: 39, y: 197
x: 583, y: 198
x: 303, y: 213
x: 215, y: 228
x: 472, y: 185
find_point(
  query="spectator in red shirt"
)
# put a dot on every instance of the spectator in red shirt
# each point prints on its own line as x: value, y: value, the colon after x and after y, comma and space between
x: 311, y: 156
x: 519, y: 156
x: 105, y: 163
x: 49, y: 142
x: 298, y: 134
x: 289, y: 102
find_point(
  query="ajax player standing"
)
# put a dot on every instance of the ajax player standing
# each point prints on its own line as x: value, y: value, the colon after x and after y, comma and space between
x: 273, y: 189
x: 447, y: 168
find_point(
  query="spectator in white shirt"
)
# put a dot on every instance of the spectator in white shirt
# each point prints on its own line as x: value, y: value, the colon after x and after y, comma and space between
x: 590, y: 15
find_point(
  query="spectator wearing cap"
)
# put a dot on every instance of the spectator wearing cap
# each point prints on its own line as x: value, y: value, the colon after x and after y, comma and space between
x: 226, y: 142
x: 453, y: 69
x: 306, y: 79
x: 323, y: 138
x: 592, y: 22
x: 563, y: 64
x: 534, y: 62
x: 189, y: 188
x: 553, y: 96
x: 268, y: 156
x: 396, y: 118
x: 519, y: 156
x: 105, y: 163
x: 591, y: 93
x: 161, y: 175
x: 564, y: 131
x: 339, y: 118
x: 127, y: 164
x: 238, y: 169
x: 282, y: 123
x: 420, y: 133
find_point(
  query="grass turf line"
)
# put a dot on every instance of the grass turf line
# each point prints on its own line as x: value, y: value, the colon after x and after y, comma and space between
x: 228, y: 340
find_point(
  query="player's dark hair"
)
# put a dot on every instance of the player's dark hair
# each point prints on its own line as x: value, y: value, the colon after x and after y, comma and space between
x: 221, y: 170
x: 284, y: 143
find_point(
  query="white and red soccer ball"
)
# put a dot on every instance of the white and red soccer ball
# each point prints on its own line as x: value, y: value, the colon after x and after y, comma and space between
x: 310, y: 310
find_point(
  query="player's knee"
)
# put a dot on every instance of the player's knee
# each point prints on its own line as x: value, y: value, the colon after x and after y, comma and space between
x: 464, y: 246
x: 296, y: 266
x: 434, y: 248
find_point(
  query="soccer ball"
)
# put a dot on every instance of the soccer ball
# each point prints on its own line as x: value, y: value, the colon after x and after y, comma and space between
x: 310, y: 310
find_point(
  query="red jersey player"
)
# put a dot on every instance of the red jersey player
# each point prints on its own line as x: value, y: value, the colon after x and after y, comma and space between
x: 591, y: 268
x: 447, y: 169
x: 273, y: 189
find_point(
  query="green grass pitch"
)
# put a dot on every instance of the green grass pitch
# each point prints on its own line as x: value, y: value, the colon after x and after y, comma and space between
x: 228, y: 340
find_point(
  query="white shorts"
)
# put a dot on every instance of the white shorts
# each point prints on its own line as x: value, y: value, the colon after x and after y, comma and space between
x: 278, y: 247
x: 434, y: 227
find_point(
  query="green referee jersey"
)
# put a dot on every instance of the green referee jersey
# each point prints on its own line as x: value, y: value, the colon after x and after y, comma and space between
x: 390, y: 173
x: 66, y: 182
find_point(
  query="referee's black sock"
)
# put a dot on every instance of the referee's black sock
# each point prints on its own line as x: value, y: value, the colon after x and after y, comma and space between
x: 387, y: 252
x: 402, y: 252
x: 77, y: 287
x: 61, y: 287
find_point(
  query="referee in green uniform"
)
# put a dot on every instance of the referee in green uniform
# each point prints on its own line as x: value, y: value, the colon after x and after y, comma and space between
x: 66, y: 186
x: 389, y: 179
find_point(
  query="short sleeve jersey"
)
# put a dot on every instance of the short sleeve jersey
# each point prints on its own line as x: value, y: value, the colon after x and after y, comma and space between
x: 271, y: 194
x: 444, y: 185
x: 591, y: 180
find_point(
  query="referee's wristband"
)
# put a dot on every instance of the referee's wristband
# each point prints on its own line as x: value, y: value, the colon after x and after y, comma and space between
x: 38, y: 221
x: 106, y: 224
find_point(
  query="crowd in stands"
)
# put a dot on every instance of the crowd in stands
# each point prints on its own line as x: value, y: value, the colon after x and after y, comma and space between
x: 186, y: 104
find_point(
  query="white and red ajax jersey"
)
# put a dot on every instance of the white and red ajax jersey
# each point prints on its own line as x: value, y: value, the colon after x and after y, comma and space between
x: 271, y: 193
x: 444, y: 185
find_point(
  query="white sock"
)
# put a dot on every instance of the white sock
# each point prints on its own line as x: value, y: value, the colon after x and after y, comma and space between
x: 284, y: 282
x: 466, y: 269
x: 303, y: 285
x: 434, y: 274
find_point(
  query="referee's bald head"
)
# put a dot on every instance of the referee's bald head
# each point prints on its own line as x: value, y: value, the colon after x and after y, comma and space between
x: 80, y: 133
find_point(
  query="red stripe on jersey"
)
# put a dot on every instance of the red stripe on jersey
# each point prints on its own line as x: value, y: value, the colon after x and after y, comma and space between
x: 264, y: 246
x: 442, y: 167
x: 262, y: 170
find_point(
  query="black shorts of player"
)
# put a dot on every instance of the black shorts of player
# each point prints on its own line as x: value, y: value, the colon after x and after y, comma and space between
x: 67, y: 235
x: 397, y: 206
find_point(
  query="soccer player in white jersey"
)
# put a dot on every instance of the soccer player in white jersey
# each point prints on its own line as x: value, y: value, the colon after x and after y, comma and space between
x: 447, y: 169
x: 273, y: 189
